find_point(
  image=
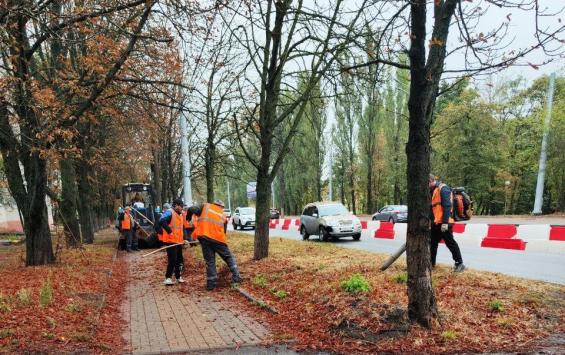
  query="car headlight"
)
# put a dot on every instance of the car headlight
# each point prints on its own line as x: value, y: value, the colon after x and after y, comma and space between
x: 332, y: 223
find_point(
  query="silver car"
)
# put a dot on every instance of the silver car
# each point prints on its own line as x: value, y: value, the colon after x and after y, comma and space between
x: 243, y: 217
x: 329, y: 220
x: 392, y: 213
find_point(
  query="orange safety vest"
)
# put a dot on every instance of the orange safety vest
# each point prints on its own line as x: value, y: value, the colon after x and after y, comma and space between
x: 126, y: 222
x: 211, y: 223
x: 437, y: 209
x: 177, y: 235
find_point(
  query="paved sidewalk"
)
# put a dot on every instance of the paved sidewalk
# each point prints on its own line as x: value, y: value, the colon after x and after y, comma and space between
x: 164, y: 319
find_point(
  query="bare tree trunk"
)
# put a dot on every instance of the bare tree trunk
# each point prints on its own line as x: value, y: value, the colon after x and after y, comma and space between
x: 85, y: 201
x: 156, y: 171
x: 68, y: 203
x: 261, y: 245
x: 424, y: 84
x: 209, y: 169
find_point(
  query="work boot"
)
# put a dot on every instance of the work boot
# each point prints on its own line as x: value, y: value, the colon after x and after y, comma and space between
x: 210, y: 285
x: 128, y: 250
x: 459, y: 267
x: 168, y: 281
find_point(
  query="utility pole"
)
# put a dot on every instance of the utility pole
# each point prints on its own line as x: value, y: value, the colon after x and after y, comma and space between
x: 543, y: 155
x: 331, y: 172
x: 229, y: 196
x: 187, y: 188
x: 273, y: 193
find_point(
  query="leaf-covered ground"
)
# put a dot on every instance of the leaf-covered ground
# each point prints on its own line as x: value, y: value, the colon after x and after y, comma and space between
x: 480, y: 312
x: 73, y: 305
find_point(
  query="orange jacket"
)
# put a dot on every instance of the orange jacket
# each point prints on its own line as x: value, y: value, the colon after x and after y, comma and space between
x: 437, y: 208
x: 177, y: 226
x: 126, y: 222
x: 211, y: 223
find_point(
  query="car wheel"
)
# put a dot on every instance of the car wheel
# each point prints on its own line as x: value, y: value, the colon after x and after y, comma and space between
x: 234, y: 225
x: 305, y: 235
x: 323, y: 234
x: 391, y: 220
x: 374, y: 218
x: 356, y: 236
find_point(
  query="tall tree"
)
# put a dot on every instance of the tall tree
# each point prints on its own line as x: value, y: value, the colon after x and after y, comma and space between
x: 293, y: 35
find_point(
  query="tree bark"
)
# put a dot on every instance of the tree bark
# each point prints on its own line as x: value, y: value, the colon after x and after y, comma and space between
x: 85, y: 201
x: 421, y: 297
x: 261, y: 244
x: 424, y: 83
x: 210, y: 159
x: 68, y: 203
x: 156, y: 170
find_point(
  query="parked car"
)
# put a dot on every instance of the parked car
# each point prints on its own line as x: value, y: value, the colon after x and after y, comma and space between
x: 243, y: 217
x: 227, y: 213
x: 275, y: 214
x: 392, y: 213
x: 329, y: 220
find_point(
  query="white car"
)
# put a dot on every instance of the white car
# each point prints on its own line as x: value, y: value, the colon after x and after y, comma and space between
x: 243, y: 217
x: 329, y: 220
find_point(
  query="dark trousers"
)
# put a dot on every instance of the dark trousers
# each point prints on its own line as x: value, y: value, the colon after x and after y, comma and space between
x: 131, y: 239
x: 174, y: 261
x: 209, y: 249
x: 437, y: 236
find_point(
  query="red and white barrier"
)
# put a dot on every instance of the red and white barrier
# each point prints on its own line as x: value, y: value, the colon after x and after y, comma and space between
x: 501, y: 236
x: 557, y: 233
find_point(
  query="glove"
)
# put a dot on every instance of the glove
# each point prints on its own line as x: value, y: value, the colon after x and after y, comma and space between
x: 444, y: 227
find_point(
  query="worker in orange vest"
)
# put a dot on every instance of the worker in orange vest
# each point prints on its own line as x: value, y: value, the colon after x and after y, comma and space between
x: 171, y: 223
x: 128, y: 229
x: 442, y: 222
x: 212, y: 237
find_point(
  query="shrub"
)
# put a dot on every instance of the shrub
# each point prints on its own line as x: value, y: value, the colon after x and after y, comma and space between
x: 504, y: 322
x: 496, y: 306
x: 24, y: 295
x: 72, y: 307
x: 401, y: 278
x: 46, y: 293
x: 260, y: 281
x: 48, y: 335
x: 281, y: 294
x: 449, y: 335
x: 4, y: 333
x: 4, y: 307
x: 355, y: 284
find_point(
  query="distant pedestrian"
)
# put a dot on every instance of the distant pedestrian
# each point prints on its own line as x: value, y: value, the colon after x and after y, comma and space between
x: 442, y: 222
x: 210, y: 233
x: 172, y: 232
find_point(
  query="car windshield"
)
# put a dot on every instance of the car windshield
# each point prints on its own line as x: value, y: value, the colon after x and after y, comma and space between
x: 247, y: 211
x: 332, y: 210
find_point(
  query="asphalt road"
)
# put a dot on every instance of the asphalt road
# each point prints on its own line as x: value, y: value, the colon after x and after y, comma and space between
x: 542, y: 260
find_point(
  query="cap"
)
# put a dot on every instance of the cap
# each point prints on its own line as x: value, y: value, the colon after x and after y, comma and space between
x: 166, y: 206
x: 219, y: 203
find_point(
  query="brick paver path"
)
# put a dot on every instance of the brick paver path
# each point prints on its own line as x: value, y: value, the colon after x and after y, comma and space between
x: 166, y: 319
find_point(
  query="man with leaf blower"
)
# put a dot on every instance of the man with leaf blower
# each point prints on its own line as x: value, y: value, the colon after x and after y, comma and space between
x: 442, y: 222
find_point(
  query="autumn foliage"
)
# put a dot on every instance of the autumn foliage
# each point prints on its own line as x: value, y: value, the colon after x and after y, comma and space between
x: 73, y: 305
x: 302, y: 282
